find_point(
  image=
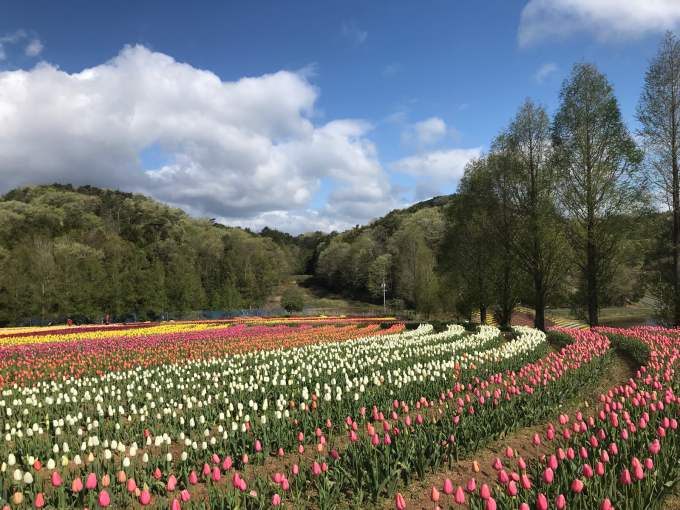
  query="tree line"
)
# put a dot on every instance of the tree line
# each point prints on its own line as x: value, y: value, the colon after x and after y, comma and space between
x: 570, y: 209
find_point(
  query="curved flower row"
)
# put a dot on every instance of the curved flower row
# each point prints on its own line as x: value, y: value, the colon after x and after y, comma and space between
x: 623, y: 455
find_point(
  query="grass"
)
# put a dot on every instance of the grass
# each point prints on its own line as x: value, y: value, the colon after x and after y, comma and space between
x: 318, y: 296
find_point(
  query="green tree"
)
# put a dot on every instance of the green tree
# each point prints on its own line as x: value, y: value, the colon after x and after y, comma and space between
x: 528, y: 225
x: 293, y: 300
x: 658, y: 113
x: 596, y: 160
x: 468, y: 249
x: 185, y: 292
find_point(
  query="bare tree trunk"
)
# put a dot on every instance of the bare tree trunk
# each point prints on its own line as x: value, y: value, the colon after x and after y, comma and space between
x: 539, y: 318
x: 592, y: 286
x: 676, y: 226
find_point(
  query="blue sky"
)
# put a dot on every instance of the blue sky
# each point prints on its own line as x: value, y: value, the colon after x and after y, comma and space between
x: 297, y: 115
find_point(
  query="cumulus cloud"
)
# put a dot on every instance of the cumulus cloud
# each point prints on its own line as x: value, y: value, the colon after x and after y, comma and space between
x: 606, y: 19
x: 443, y: 166
x: 242, y: 151
x: 427, y: 132
x: 353, y: 34
x: 544, y: 71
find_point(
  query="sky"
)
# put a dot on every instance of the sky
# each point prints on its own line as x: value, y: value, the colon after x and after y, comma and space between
x: 297, y: 115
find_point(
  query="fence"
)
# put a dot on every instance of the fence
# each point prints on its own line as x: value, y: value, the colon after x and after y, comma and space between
x: 210, y: 315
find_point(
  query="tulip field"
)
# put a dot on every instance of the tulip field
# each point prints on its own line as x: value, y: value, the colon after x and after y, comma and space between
x: 327, y: 413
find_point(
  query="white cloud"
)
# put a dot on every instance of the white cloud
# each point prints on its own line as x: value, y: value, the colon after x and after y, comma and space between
x: 427, y: 132
x: 353, y: 34
x: 34, y: 48
x: 606, y: 19
x: 544, y: 71
x: 443, y: 166
x: 243, y: 151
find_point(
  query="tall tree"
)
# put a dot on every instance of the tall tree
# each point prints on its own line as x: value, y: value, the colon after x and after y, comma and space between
x: 597, y: 160
x: 524, y: 181
x: 468, y: 249
x: 658, y: 112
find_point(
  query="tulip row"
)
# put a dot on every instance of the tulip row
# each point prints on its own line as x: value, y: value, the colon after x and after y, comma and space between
x: 624, y: 455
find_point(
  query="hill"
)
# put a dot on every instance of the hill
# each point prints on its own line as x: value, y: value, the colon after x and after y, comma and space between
x: 83, y: 251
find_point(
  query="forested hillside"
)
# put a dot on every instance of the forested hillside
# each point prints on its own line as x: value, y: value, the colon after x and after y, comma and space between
x: 68, y: 250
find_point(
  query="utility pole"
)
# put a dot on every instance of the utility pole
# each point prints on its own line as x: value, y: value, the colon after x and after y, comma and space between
x: 384, y: 287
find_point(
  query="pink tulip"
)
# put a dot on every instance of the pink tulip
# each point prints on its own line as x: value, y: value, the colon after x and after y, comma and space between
x: 548, y: 475
x: 276, y: 500
x: 471, y: 486
x: 649, y: 465
x: 541, y: 503
x: 91, y: 481
x: 503, y: 476
x: 625, y: 477
x: 497, y: 464
x: 285, y: 485
x: 236, y: 481
x: 316, y: 468
x: 145, y: 497
x: 131, y: 485
x: 490, y: 503
x: 185, y: 496
x: 638, y: 474
x: 599, y: 468
x: 484, y: 492
x: 606, y: 505
x: 296, y: 469
x: 56, y: 479
x: 448, y: 487
x: 175, y: 505
x: 206, y: 469
x: 511, y: 489
x: 401, y: 504
x: 459, y: 496
x: 226, y: 465
x: 215, y: 459
x: 654, y: 447
x: 104, y: 500
x: 525, y: 483
x: 560, y: 502
x: 216, y: 475
x: 193, y: 479
x: 577, y: 485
